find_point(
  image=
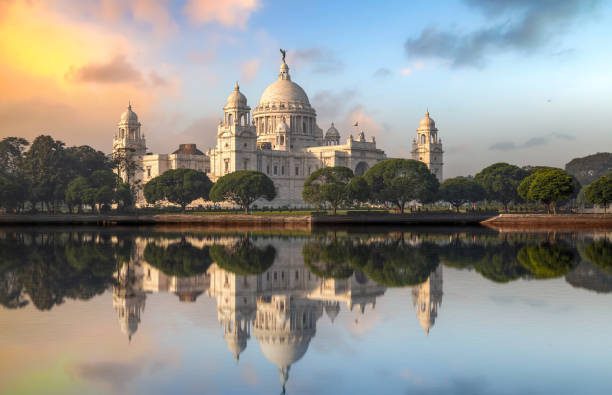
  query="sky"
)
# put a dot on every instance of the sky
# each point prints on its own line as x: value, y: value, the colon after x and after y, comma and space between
x: 521, y: 81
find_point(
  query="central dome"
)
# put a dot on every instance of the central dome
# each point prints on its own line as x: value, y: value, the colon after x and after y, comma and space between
x: 284, y: 90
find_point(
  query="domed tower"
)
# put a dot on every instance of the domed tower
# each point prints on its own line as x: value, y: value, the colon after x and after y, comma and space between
x: 128, y: 135
x: 427, y: 147
x: 128, y: 299
x: 332, y: 136
x: 427, y: 298
x: 284, y: 101
x: 236, y: 137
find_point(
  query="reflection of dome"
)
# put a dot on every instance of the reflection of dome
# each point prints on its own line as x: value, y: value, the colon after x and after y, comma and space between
x: 236, y: 345
x: 427, y: 123
x: 284, y: 353
x: 332, y: 133
x: 284, y: 90
x: 236, y: 98
x: 129, y: 116
x: 188, y: 296
x: 332, y: 310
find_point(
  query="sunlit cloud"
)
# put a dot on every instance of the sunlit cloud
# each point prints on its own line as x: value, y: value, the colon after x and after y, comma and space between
x: 249, y: 70
x: 230, y: 13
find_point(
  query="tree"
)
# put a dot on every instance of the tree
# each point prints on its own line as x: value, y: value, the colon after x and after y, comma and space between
x: 11, y: 154
x: 13, y: 192
x: 599, y: 252
x: 548, y: 186
x: 179, y: 186
x: 500, y: 182
x: 600, y: 191
x: 48, y: 170
x: 547, y: 260
x: 243, y: 187
x: 398, y: 181
x: 358, y: 190
x: 460, y: 190
x: 124, y: 196
x: 76, y: 192
x: 328, y: 185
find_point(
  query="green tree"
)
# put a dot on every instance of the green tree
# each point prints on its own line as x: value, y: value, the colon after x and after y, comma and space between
x: 328, y: 257
x: 358, y: 189
x: 460, y: 190
x: 76, y: 192
x: 600, y: 191
x: 548, y: 186
x: 328, y: 186
x: 500, y: 182
x: 179, y: 186
x: 244, y: 257
x: 398, y: 181
x: 11, y: 154
x: 124, y: 196
x: 599, y: 252
x: 13, y: 192
x: 243, y: 187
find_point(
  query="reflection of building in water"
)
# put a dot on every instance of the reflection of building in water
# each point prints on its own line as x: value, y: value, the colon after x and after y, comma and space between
x: 427, y: 298
x: 282, y: 305
x: 128, y: 300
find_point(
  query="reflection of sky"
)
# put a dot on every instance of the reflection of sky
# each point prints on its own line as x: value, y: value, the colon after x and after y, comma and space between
x: 522, y: 337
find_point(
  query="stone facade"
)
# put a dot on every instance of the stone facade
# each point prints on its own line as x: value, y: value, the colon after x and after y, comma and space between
x: 279, y: 137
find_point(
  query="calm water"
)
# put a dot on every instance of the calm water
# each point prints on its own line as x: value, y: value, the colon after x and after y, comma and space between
x: 442, y: 311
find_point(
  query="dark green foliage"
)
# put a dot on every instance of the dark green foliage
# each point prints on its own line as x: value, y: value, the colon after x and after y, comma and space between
x: 395, y: 263
x: 460, y: 190
x: 591, y: 167
x: 599, y: 253
x: 500, y: 182
x: 329, y: 258
x: 548, y: 186
x: 178, y: 259
x: 600, y: 191
x: 358, y: 189
x: 547, y: 260
x: 11, y: 154
x: 243, y: 187
x: 52, y: 267
x: 244, y: 257
x: 179, y: 186
x: 399, y: 181
x: 328, y: 186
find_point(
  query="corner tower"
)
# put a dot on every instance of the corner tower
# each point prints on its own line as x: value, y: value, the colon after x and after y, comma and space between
x: 128, y: 136
x: 427, y: 147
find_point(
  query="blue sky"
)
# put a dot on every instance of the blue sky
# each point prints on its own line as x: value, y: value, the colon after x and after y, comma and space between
x: 519, y: 81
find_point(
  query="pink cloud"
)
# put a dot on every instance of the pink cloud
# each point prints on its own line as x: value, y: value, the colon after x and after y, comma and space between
x: 249, y: 69
x: 230, y: 13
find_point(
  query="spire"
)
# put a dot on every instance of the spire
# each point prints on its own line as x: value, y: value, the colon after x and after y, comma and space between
x: 284, y: 69
x: 130, y: 105
x: 236, y: 87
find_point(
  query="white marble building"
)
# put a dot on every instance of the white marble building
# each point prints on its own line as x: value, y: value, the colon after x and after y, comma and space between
x: 280, y: 137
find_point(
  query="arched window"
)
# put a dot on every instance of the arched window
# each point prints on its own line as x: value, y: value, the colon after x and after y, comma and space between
x: 230, y: 119
x: 423, y: 139
x: 304, y: 127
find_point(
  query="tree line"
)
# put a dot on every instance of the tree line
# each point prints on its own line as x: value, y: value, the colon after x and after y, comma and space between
x: 45, y: 175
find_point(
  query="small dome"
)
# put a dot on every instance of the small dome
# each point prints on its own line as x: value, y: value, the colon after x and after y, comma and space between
x: 332, y: 133
x: 236, y: 98
x: 129, y: 116
x: 427, y: 123
x: 284, y: 90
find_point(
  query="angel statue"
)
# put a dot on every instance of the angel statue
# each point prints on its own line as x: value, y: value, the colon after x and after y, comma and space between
x: 284, y: 53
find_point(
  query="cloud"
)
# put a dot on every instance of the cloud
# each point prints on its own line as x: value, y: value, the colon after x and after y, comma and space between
x: 116, y: 374
x: 320, y: 60
x: 331, y: 104
x: 382, y: 72
x: 516, y: 25
x: 249, y: 70
x: 406, y: 71
x: 229, y: 13
x: 117, y: 70
x: 532, y: 142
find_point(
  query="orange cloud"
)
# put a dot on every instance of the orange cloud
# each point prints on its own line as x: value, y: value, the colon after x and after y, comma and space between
x: 231, y: 13
x: 56, y: 76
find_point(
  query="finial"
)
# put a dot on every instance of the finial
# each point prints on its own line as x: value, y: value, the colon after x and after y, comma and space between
x: 130, y: 105
x: 236, y: 86
x: 332, y: 124
x: 283, y: 54
x: 427, y: 112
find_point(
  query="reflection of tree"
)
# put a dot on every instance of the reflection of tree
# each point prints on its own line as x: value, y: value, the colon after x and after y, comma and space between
x: 178, y: 259
x: 395, y: 263
x: 547, y: 260
x: 599, y: 253
x: 52, y: 267
x: 329, y: 258
x: 243, y: 257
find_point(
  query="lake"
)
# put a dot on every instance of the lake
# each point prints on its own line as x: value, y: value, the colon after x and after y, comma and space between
x: 359, y: 311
